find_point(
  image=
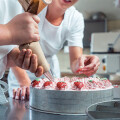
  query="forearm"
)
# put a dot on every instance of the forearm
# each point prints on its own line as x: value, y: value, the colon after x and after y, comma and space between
x: 74, y: 53
x: 21, y: 76
x: 4, y: 35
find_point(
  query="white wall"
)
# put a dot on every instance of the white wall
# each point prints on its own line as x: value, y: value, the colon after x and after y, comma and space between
x: 92, y: 6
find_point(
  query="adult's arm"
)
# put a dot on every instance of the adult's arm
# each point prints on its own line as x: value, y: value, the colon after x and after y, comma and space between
x: 23, y: 28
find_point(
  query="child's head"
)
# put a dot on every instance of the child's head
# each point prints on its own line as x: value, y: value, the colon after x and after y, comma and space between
x: 64, y: 4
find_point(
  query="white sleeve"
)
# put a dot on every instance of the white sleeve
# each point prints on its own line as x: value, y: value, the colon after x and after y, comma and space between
x: 75, y: 35
x: 3, y: 64
x: 4, y: 50
x: 2, y: 11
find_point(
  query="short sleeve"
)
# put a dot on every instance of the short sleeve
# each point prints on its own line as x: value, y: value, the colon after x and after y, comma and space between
x: 75, y: 35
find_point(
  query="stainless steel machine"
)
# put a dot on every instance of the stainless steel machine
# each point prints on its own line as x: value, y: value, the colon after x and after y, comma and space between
x: 107, y: 47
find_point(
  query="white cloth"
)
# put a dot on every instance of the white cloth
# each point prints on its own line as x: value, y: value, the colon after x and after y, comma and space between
x: 52, y: 39
x: 7, y: 12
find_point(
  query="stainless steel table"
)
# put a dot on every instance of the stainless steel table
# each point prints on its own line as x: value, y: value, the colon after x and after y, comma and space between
x: 18, y: 110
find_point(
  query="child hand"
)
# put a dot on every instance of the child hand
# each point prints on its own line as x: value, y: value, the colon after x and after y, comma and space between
x: 21, y: 93
x: 87, y: 64
x: 23, y: 28
x: 25, y: 60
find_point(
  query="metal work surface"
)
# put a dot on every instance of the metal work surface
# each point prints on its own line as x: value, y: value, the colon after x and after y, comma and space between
x: 18, y: 110
x: 105, y: 111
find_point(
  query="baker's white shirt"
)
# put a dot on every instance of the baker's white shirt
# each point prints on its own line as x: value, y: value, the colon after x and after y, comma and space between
x: 8, y: 9
x: 52, y: 39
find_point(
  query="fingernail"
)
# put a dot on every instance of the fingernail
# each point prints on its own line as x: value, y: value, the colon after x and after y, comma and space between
x: 22, y: 98
x: 16, y: 97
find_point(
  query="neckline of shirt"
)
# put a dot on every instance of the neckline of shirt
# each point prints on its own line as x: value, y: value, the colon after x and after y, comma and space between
x: 52, y: 24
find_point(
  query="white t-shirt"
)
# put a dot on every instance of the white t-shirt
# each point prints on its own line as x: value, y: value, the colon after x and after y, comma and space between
x: 7, y: 12
x: 52, y: 39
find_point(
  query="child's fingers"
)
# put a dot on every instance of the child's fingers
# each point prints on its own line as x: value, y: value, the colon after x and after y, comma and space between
x: 33, y: 64
x: 17, y: 97
x: 26, y: 62
x: 28, y: 92
x: 20, y: 58
x: 14, y: 93
x: 23, y: 92
x: 39, y: 71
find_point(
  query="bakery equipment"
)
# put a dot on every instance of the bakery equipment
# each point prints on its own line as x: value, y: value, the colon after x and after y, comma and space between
x: 107, y: 47
x: 104, y: 111
x: 35, y: 7
x: 66, y: 102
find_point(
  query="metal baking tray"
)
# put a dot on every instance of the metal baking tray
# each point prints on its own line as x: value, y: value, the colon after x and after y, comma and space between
x: 104, y: 111
x: 67, y: 102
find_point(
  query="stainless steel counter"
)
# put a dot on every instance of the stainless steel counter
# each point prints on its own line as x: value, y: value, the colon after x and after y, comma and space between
x: 18, y: 110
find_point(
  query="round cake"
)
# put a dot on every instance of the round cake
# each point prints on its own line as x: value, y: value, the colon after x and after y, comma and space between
x: 69, y: 95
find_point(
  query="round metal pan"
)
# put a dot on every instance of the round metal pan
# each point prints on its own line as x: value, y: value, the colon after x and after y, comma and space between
x: 67, y: 102
x: 109, y: 110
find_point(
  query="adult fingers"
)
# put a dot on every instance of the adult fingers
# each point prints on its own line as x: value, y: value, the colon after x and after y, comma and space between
x: 23, y: 93
x: 36, y: 37
x: 39, y: 71
x: 36, y: 18
x: 35, y: 25
x: 26, y: 62
x: 36, y: 31
x: 33, y: 64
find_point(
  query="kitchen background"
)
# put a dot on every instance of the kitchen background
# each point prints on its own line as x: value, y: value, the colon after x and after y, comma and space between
x: 100, y: 16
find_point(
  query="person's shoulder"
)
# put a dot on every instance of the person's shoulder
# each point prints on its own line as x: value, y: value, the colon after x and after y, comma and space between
x: 73, y: 13
x: 73, y: 17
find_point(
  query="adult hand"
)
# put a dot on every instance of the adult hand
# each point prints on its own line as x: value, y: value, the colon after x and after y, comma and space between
x: 23, y: 29
x: 25, y: 60
x: 21, y: 93
x: 87, y: 64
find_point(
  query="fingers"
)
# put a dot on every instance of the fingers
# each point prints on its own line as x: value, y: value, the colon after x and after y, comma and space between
x: 92, y: 70
x: 14, y: 93
x: 29, y: 61
x: 39, y: 71
x: 20, y: 58
x: 36, y: 31
x: 81, y: 61
x: 34, y: 64
x: 36, y: 18
x: 23, y: 93
x: 36, y: 37
x: 27, y: 92
x: 17, y: 95
x: 26, y: 61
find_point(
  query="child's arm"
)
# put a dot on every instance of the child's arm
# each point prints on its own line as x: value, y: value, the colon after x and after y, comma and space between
x: 21, y: 29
